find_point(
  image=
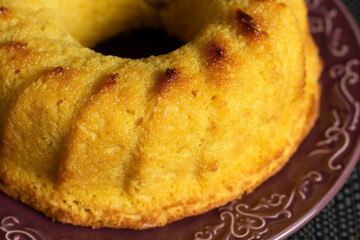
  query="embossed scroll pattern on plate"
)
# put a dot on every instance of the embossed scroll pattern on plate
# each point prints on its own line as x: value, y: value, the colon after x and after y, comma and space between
x: 10, y: 225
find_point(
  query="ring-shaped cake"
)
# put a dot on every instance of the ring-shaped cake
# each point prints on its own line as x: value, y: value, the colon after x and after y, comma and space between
x: 105, y: 141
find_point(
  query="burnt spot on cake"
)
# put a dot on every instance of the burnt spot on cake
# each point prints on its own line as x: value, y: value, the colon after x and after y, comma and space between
x: 64, y: 75
x: 57, y: 71
x: 16, y: 51
x: 110, y: 82
x: 17, y: 55
x: 219, y: 60
x: 111, y: 79
x: 216, y: 52
x: 247, y: 26
x: 12, y: 47
x: 3, y: 11
x: 170, y: 78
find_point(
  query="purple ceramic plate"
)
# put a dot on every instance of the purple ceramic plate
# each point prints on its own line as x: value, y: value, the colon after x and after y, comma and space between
x: 285, y: 202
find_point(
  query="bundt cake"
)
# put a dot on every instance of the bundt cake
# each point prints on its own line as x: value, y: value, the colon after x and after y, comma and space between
x: 104, y: 141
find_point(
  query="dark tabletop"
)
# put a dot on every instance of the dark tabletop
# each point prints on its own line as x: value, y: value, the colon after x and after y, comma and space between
x: 340, y: 219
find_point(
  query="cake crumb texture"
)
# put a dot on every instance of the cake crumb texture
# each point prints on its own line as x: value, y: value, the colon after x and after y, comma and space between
x: 104, y: 141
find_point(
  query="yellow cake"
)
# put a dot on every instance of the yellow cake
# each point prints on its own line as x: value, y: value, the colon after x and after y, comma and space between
x: 104, y: 141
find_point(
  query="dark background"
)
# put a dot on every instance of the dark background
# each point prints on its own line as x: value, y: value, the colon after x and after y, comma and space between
x: 340, y: 219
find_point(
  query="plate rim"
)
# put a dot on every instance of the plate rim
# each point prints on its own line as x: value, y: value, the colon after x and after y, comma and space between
x: 346, y: 172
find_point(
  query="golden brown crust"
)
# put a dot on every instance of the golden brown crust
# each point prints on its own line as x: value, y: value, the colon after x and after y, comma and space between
x: 108, y: 142
x: 35, y: 199
x: 3, y: 11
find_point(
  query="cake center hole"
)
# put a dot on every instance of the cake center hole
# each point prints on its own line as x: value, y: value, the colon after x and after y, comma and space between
x: 139, y: 44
